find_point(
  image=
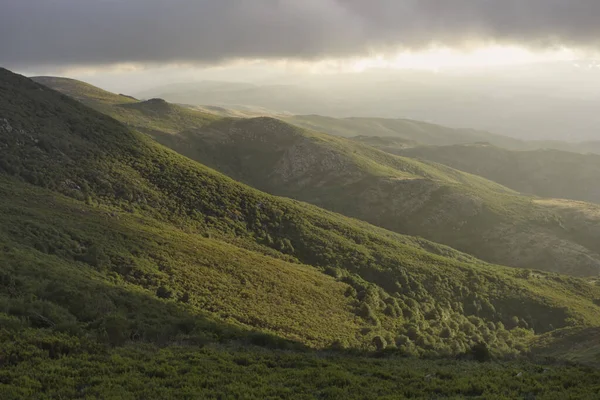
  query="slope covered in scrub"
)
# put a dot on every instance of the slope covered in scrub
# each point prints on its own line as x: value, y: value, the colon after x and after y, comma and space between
x: 102, y: 165
x: 118, y: 252
x: 402, y: 194
x: 544, y: 173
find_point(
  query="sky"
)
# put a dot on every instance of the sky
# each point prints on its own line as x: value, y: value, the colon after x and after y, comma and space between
x: 131, y: 45
x: 129, y: 34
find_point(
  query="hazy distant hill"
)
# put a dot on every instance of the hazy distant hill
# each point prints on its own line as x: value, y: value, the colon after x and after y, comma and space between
x: 546, y: 173
x: 401, y: 194
x: 279, y: 98
x: 237, y: 112
x: 374, y: 131
x: 413, y: 131
x: 525, y: 101
x: 296, y: 100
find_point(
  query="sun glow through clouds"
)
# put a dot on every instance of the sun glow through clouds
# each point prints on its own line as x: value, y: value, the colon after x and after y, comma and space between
x: 446, y: 58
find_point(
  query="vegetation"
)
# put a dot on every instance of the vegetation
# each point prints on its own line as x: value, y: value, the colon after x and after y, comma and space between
x: 544, y: 173
x: 402, y: 194
x: 127, y: 268
x: 214, y: 371
x: 405, y: 129
x: 98, y: 162
x: 151, y: 115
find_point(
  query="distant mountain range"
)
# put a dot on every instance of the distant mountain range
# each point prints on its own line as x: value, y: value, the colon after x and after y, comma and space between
x: 544, y: 173
x: 461, y: 210
x: 414, y: 133
x: 515, y: 101
x: 128, y: 268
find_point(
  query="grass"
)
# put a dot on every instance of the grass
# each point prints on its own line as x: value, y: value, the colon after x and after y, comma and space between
x: 409, y: 196
x: 544, y: 173
x: 130, y: 270
x: 213, y: 372
x: 403, y: 129
x: 151, y: 115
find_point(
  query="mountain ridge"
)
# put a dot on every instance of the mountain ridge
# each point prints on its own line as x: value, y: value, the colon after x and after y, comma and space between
x: 545, y: 173
x: 405, y: 195
x: 256, y: 220
x: 130, y: 268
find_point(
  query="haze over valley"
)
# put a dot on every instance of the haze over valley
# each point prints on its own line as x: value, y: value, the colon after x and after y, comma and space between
x: 545, y: 101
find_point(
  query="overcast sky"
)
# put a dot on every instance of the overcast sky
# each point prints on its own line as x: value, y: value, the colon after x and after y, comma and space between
x: 36, y: 33
x: 345, y: 48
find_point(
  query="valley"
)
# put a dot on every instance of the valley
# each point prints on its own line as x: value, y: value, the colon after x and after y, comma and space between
x: 405, y: 195
x: 121, y: 255
x: 299, y: 200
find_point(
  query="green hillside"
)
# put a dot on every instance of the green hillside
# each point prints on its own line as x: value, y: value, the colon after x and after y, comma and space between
x: 545, y: 173
x: 126, y: 265
x: 402, y: 194
x: 400, y: 133
x: 113, y: 168
x: 151, y: 115
x: 409, y: 130
x: 397, y: 193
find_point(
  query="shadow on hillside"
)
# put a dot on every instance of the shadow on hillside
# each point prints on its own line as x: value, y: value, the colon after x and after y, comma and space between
x: 48, y: 282
x: 61, y: 297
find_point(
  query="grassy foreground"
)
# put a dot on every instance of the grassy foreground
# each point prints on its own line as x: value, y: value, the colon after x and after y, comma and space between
x: 224, y: 372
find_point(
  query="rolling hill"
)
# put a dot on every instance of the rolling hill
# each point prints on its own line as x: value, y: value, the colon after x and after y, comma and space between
x: 401, y: 194
x: 513, y: 101
x: 544, y: 173
x: 393, y: 135
x: 414, y: 132
x: 409, y: 132
x: 130, y: 268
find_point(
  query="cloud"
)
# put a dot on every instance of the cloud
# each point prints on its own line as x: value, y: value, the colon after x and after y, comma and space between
x: 90, y: 32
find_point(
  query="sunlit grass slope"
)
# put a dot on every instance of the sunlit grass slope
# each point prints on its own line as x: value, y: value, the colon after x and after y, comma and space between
x: 127, y: 266
x: 402, y: 194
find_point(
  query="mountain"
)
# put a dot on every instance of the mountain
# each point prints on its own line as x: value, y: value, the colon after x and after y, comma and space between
x: 395, y: 134
x: 401, y: 194
x: 128, y: 268
x: 412, y: 131
x: 525, y: 101
x: 232, y: 95
x: 416, y: 132
x: 544, y: 173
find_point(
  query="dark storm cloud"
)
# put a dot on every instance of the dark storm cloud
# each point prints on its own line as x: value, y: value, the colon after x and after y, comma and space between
x: 66, y: 32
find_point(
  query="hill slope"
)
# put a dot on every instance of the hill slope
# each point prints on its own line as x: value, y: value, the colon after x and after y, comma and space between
x: 545, y: 173
x: 109, y: 166
x: 113, y: 245
x: 409, y: 130
x: 405, y: 195
x: 401, y: 194
x: 404, y: 133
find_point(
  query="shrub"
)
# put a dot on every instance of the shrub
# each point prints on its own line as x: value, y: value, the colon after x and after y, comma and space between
x: 117, y: 329
x: 367, y: 313
x: 164, y: 293
x: 481, y: 352
x: 380, y: 343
